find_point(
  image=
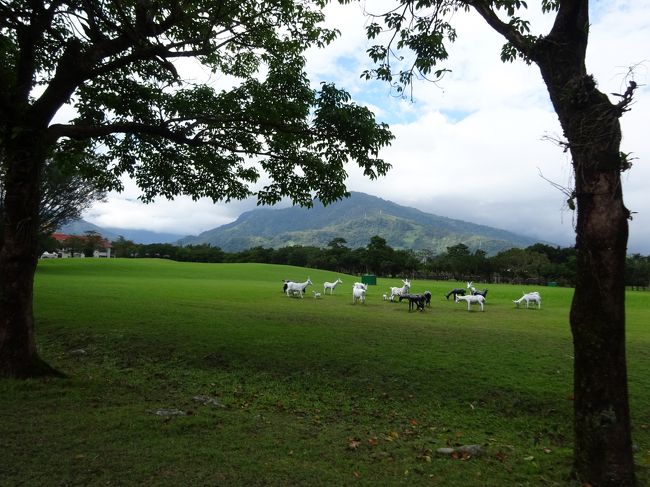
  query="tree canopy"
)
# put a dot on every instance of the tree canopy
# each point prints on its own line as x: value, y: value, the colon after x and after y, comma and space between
x: 202, y: 98
x: 129, y: 69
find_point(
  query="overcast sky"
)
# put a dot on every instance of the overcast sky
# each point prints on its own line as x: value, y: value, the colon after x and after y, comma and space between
x: 472, y: 147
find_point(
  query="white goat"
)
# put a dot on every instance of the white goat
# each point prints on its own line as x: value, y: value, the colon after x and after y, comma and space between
x: 398, y: 291
x: 474, y: 298
x: 316, y: 295
x: 297, y: 287
x: 358, y: 294
x: 331, y: 286
x: 528, y: 297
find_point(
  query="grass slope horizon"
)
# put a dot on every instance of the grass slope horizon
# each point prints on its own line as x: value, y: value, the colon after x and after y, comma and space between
x: 356, y: 219
x: 207, y: 374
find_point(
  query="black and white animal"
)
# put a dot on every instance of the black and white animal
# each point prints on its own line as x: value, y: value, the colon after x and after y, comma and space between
x: 471, y: 299
x: 296, y: 288
x: 455, y: 292
x: 416, y: 301
x: 399, y: 291
x: 475, y: 291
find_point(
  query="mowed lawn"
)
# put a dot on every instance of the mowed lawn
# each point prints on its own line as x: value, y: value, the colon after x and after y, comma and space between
x: 207, y: 374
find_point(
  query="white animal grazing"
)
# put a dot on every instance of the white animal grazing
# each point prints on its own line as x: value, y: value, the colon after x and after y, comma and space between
x: 297, y: 287
x: 398, y: 291
x: 48, y: 255
x: 361, y: 285
x: 316, y: 295
x: 358, y: 294
x: 474, y: 298
x: 331, y: 286
x: 528, y: 297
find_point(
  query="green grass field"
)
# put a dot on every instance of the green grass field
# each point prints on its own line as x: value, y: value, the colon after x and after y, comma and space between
x: 207, y: 374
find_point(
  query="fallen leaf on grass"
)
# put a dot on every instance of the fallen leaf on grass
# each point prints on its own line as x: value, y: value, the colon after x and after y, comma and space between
x: 353, y: 443
x: 461, y: 455
x: 392, y: 436
x: 425, y: 455
x: 501, y: 456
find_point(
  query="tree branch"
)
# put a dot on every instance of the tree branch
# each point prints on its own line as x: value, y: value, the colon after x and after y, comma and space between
x: 77, y: 132
x: 572, y: 17
x: 508, y: 31
x: 626, y: 98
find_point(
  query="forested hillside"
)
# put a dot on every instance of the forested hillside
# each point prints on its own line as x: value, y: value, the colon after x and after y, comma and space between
x: 355, y: 219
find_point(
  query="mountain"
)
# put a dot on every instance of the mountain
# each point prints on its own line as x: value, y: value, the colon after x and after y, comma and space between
x: 356, y: 219
x: 145, y: 236
x: 79, y: 227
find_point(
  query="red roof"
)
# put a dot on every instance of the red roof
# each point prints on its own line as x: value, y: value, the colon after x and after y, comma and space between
x: 60, y: 237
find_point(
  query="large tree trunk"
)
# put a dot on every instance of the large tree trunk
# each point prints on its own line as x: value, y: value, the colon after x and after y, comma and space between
x: 18, y: 259
x: 603, y: 450
x: 603, y: 454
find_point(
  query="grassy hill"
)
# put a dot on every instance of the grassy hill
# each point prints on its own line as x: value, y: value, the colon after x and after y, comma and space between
x: 207, y: 374
x: 355, y: 219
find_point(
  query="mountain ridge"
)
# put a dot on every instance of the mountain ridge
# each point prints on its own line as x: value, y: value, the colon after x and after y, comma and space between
x: 355, y: 219
x: 79, y: 227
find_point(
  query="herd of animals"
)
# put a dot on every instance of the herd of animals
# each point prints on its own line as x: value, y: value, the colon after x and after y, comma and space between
x: 417, y: 302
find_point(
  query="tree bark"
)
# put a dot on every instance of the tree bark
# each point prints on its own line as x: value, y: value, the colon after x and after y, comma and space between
x: 18, y: 258
x: 603, y: 451
x: 603, y: 454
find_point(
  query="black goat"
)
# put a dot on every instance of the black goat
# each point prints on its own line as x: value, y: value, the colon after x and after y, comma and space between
x: 455, y: 291
x: 481, y: 293
x: 415, y: 300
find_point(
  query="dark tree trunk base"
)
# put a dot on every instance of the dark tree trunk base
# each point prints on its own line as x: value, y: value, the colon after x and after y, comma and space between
x: 32, y: 369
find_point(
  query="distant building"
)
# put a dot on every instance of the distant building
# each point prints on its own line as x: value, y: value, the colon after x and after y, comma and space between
x: 103, y: 251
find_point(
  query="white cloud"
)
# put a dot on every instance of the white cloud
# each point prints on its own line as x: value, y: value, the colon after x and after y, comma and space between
x: 181, y: 215
x: 470, y: 147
